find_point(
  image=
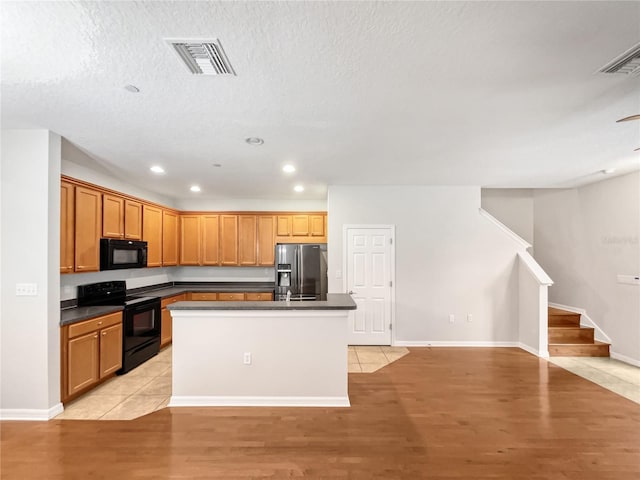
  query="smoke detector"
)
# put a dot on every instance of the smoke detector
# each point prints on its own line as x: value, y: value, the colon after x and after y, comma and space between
x: 202, y: 57
x: 627, y: 63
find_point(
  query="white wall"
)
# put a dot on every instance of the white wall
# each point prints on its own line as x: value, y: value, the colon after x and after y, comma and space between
x: 258, y: 205
x: 449, y: 259
x: 30, y: 251
x: 513, y: 207
x: 585, y: 237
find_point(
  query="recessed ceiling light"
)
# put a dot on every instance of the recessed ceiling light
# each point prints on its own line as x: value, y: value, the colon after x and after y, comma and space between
x: 607, y: 171
x: 195, y: 188
x: 254, y: 141
x: 299, y: 188
x: 288, y: 169
x: 157, y: 169
x: 131, y: 88
x: 217, y: 165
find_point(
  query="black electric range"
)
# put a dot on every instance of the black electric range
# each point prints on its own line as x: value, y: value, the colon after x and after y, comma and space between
x: 141, y: 319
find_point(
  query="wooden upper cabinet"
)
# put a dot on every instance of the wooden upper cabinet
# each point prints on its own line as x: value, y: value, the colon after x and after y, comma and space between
x: 112, y: 216
x: 228, y: 240
x: 169, y: 238
x: 67, y: 226
x: 283, y: 228
x: 300, y: 225
x: 210, y: 225
x: 266, y: 240
x: 189, y: 239
x: 247, y: 240
x: 132, y: 220
x: 88, y: 228
x: 152, y: 234
x: 316, y: 225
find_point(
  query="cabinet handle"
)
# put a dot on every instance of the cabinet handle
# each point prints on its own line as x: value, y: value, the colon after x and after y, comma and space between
x: 99, y: 323
x: 95, y: 336
x: 104, y: 333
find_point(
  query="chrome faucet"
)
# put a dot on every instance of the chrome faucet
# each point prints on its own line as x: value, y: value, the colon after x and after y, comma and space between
x: 288, y: 295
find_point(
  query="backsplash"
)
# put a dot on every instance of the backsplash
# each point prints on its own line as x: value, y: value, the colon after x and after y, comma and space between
x: 143, y: 277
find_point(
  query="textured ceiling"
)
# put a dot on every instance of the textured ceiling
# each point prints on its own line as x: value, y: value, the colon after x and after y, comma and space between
x: 498, y: 94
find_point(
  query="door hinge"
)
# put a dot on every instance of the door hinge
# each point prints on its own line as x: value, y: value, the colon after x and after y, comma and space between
x: 390, y: 283
x: 390, y: 241
x: 390, y: 326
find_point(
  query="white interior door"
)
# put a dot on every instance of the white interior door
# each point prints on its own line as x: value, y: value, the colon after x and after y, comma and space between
x: 368, y: 277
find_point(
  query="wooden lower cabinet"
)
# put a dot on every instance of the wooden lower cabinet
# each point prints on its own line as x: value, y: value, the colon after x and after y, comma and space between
x: 203, y: 296
x: 166, y: 327
x: 91, y: 351
x: 231, y: 297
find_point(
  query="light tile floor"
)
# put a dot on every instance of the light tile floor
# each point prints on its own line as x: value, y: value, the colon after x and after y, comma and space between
x: 147, y: 388
x: 619, y: 377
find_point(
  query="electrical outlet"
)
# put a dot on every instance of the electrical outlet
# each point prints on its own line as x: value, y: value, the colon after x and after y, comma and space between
x: 247, y: 358
x: 469, y: 317
x: 452, y: 318
x: 26, y: 289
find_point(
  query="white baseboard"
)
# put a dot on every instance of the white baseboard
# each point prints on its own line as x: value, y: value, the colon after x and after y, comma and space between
x: 31, y: 414
x: 427, y: 343
x: 224, y: 401
x: 625, y: 359
x: 568, y: 308
x: 533, y: 351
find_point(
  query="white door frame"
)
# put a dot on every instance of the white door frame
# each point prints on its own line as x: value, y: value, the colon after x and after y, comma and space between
x: 392, y: 229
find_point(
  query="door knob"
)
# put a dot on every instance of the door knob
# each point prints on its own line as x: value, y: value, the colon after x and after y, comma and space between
x: 350, y: 292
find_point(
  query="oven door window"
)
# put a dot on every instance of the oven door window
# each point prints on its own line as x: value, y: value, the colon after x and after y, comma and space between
x: 123, y: 256
x: 143, y: 323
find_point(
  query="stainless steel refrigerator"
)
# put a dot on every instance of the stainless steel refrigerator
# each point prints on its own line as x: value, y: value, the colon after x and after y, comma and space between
x: 301, y: 268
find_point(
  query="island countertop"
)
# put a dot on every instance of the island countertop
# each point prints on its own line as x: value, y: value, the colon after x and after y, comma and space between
x: 334, y: 301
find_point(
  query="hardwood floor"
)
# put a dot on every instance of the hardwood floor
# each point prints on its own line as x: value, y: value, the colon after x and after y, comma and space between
x: 438, y: 413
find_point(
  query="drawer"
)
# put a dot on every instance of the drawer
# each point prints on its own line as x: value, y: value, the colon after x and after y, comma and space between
x: 203, y: 296
x: 174, y: 299
x: 258, y: 297
x: 231, y: 297
x: 82, y: 328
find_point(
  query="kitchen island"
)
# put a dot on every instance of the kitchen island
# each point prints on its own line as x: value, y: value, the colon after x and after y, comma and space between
x: 261, y: 353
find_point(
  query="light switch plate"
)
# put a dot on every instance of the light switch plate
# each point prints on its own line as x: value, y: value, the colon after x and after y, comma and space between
x: 26, y: 289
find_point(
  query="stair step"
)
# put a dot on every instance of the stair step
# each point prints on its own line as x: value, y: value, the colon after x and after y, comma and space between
x: 562, y: 318
x: 597, y: 349
x: 572, y: 334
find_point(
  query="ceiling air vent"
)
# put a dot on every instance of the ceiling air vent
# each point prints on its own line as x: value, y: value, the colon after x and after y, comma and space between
x: 627, y: 63
x: 202, y: 57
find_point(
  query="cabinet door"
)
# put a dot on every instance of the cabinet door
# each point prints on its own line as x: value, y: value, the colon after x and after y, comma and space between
x: 189, y: 240
x: 112, y: 216
x: 210, y: 239
x: 247, y: 240
x: 83, y: 362
x: 67, y: 226
x: 228, y: 240
x: 88, y: 228
x: 110, y: 350
x: 300, y: 225
x: 166, y: 328
x: 283, y: 225
x: 316, y: 225
x: 152, y: 234
x: 266, y: 240
x: 132, y: 220
x: 169, y: 238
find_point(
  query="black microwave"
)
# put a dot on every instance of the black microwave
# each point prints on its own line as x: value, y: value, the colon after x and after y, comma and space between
x: 117, y: 254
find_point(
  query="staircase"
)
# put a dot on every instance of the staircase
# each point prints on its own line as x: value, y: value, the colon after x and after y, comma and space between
x: 568, y: 339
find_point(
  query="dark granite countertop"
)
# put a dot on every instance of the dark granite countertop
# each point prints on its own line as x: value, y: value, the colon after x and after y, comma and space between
x: 216, y: 287
x: 334, y: 301
x: 77, y: 314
